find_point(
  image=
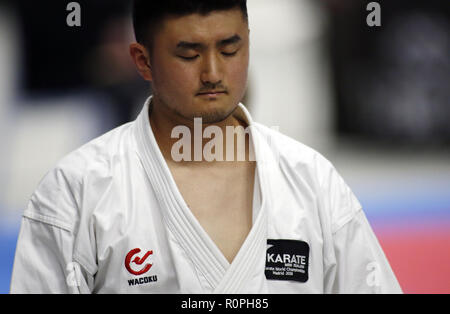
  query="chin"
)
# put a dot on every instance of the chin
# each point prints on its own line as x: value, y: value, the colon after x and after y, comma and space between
x: 215, y: 114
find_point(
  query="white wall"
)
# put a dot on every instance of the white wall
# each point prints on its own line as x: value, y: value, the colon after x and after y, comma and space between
x: 289, y: 74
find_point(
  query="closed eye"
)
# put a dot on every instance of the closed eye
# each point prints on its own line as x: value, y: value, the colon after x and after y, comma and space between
x: 189, y: 58
x: 229, y: 54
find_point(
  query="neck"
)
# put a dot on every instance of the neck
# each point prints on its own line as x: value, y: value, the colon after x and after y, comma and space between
x: 197, y: 139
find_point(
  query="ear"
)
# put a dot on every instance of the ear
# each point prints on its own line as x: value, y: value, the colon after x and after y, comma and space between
x: 141, y: 59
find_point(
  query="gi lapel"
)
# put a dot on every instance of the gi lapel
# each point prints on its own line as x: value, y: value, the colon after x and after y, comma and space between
x: 246, y: 273
x: 180, y: 221
x: 205, y: 255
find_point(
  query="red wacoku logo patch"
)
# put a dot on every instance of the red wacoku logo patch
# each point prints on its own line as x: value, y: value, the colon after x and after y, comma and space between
x: 136, y: 266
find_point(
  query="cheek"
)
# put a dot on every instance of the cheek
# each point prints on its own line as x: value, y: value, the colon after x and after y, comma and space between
x: 174, y: 78
x: 238, y: 73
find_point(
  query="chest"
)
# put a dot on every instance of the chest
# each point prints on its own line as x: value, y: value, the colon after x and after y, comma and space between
x: 221, y: 199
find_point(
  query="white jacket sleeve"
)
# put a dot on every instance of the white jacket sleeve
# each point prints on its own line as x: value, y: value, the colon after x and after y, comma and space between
x: 44, y: 261
x: 361, y: 266
x: 355, y: 261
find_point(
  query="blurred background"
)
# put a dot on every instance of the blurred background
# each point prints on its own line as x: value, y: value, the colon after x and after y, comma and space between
x: 373, y: 100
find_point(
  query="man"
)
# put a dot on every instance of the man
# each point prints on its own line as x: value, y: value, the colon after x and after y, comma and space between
x: 125, y: 214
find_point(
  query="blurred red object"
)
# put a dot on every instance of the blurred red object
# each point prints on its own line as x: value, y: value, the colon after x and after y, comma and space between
x: 420, y: 257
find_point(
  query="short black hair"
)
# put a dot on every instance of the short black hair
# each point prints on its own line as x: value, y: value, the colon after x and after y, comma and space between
x: 148, y: 14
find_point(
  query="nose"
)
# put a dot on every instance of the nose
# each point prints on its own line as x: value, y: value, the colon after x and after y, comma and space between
x: 211, y: 71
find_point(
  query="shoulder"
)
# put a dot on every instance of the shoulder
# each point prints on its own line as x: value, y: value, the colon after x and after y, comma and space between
x: 293, y: 153
x: 62, y: 191
x: 98, y: 155
x: 306, y: 167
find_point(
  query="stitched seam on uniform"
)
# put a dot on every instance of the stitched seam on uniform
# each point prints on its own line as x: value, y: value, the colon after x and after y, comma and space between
x: 195, y: 241
x: 198, y: 271
x: 249, y: 255
x: 47, y: 220
x: 346, y: 220
x: 237, y: 281
x: 234, y: 282
x: 52, y: 222
x: 142, y: 132
x: 168, y: 220
x: 192, y: 259
x: 179, y: 238
x: 92, y: 270
x: 189, y: 229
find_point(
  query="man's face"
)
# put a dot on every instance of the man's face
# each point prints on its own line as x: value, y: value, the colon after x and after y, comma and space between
x: 199, y: 64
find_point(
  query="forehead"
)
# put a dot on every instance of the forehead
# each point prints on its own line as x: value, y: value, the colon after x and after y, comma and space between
x: 213, y: 26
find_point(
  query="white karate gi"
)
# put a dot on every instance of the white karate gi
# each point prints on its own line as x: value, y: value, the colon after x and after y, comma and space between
x: 110, y: 219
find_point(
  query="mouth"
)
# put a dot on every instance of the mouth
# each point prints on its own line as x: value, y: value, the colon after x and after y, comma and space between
x: 212, y: 93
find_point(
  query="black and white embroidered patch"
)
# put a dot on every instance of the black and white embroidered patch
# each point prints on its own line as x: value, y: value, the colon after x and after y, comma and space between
x: 287, y: 260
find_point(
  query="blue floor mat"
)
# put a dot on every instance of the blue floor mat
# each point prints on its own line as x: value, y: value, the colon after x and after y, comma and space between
x: 7, y: 249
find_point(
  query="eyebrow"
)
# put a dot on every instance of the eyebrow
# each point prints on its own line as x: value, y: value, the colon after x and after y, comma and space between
x: 229, y: 41
x: 196, y: 46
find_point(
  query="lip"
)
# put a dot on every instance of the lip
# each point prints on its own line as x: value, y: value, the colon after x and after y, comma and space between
x: 212, y: 93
